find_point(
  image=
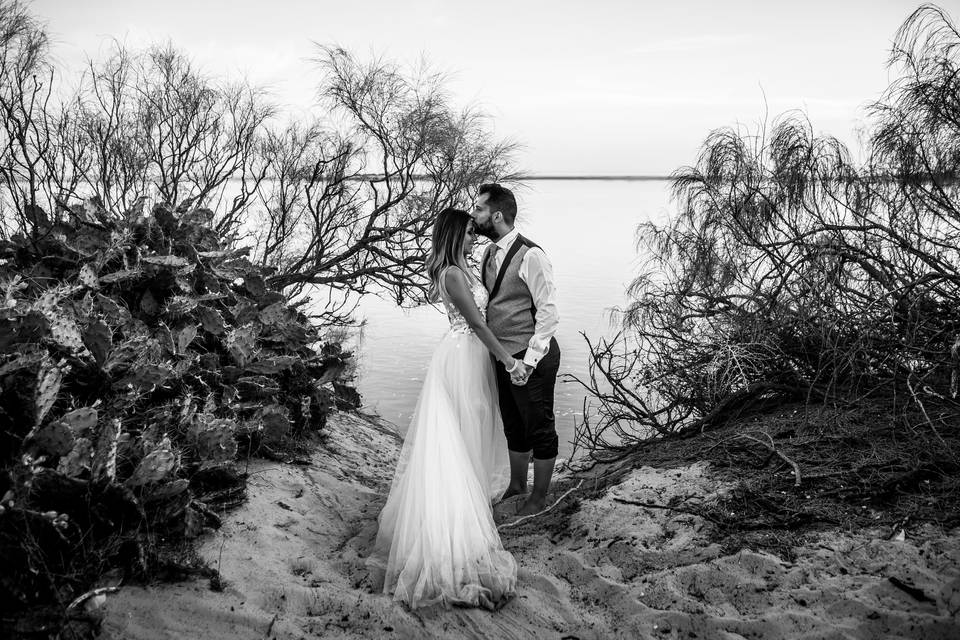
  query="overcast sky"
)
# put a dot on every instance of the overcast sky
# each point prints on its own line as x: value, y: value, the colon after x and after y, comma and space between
x: 590, y: 87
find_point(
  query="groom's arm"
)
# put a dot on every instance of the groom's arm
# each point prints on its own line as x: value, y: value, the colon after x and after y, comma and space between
x: 537, y: 273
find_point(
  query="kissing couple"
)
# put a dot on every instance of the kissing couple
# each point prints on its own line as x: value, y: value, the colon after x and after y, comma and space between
x: 485, y: 409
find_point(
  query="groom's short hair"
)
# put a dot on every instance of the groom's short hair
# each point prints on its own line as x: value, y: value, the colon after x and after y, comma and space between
x: 500, y: 199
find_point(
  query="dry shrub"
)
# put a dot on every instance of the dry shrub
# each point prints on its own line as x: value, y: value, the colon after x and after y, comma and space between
x: 792, y: 272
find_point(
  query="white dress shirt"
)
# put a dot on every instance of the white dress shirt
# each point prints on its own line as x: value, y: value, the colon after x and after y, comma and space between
x: 537, y: 273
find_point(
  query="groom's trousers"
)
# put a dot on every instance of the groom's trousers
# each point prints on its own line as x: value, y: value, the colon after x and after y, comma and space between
x: 527, y: 411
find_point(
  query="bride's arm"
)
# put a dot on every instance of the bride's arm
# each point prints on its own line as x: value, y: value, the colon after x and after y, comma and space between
x: 457, y: 287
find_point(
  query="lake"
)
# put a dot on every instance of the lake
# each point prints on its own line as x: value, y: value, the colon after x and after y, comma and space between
x: 588, y: 230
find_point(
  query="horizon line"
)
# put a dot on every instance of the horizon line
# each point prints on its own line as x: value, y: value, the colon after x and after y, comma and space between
x: 591, y: 177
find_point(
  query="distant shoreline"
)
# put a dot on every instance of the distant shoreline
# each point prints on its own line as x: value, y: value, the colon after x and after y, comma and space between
x: 622, y: 178
x: 533, y: 178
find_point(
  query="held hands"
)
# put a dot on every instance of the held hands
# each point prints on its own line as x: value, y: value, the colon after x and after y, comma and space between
x: 519, y: 372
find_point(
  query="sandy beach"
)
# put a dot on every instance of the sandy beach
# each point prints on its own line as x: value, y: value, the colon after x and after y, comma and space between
x: 291, y: 559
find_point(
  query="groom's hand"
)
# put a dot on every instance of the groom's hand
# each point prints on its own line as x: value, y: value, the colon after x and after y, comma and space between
x: 521, y: 375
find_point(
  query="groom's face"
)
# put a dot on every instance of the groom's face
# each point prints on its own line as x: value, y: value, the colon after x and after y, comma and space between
x: 483, y: 217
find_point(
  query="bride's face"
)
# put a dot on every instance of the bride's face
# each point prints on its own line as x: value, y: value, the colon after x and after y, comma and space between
x: 469, y: 238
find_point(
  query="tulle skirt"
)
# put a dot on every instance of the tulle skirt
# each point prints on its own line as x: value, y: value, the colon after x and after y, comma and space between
x: 437, y: 541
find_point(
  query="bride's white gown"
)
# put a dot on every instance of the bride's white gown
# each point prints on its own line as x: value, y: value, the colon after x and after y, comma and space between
x: 437, y: 541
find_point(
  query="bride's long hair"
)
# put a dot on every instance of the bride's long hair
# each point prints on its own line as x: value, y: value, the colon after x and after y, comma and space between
x: 449, y: 231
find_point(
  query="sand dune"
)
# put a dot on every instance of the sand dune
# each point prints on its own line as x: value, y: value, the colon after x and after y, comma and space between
x: 292, y: 559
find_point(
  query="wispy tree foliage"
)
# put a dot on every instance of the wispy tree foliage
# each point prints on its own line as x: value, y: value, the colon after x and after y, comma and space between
x: 342, y: 201
x: 792, y: 272
x: 26, y: 87
x: 351, y: 207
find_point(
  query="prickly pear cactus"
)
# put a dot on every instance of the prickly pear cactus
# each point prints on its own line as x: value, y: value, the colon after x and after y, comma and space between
x: 112, y: 312
x: 49, y: 301
x: 105, y: 457
x: 124, y: 275
x: 184, y: 337
x: 274, y: 314
x: 98, y: 338
x: 149, y: 304
x: 166, y: 329
x: 188, y: 411
x: 147, y: 377
x: 242, y: 343
x: 275, y: 422
x: 165, y: 261
x: 54, y: 438
x: 257, y: 388
x: 244, y: 312
x: 88, y: 277
x: 212, y: 320
x: 155, y: 466
x: 49, y: 379
x: 216, y: 442
x: 164, y: 338
x: 79, y: 461
x: 65, y: 332
x: 273, y: 365
x: 81, y: 421
x: 179, y: 306
x: 255, y: 284
x: 263, y: 367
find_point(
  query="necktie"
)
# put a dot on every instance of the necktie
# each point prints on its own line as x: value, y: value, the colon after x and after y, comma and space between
x: 491, y: 271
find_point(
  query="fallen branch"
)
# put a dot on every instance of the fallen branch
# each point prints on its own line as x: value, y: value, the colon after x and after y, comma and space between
x: 90, y: 594
x: 539, y: 513
x: 774, y: 450
x: 653, y: 505
x: 924, y: 411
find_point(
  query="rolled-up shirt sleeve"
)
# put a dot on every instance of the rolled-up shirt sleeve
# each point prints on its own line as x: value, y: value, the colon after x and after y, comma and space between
x: 537, y: 273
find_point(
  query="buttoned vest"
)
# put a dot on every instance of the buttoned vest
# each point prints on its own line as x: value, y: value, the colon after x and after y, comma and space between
x: 511, y: 314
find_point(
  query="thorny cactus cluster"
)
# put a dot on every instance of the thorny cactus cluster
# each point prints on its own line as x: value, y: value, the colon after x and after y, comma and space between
x: 137, y: 353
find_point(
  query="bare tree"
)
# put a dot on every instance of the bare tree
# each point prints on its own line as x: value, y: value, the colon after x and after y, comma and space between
x: 352, y: 206
x: 26, y: 85
x: 343, y: 203
x: 197, y: 135
x: 789, y: 272
x: 157, y: 127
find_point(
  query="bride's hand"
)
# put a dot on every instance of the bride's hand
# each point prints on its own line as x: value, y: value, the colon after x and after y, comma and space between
x: 518, y: 372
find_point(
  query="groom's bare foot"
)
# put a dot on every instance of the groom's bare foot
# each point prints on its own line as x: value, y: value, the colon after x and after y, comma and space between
x: 513, y: 491
x: 534, y: 504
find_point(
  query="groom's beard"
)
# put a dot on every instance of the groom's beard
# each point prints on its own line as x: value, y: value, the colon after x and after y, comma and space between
x: 487, y: 231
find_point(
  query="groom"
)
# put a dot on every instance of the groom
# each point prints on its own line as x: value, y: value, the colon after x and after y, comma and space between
x: 522, y: 313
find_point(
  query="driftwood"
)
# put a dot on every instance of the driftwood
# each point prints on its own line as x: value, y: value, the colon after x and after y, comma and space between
x: 653, y: 505
x: 93, y: 593
x: 777, y: 452
x: 513, y: 523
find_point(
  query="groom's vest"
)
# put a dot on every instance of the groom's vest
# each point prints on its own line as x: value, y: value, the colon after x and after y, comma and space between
x: 511, y: 314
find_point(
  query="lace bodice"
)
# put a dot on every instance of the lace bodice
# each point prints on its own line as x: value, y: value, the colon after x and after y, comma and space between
x: 458, y: 324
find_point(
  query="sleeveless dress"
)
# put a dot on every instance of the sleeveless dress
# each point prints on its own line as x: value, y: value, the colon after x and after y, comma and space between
x: 437, y: 541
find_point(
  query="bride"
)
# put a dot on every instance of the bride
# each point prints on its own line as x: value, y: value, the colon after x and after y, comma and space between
x: 437, y: 541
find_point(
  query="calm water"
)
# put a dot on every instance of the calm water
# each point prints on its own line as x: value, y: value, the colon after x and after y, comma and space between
x: 587, y: 228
